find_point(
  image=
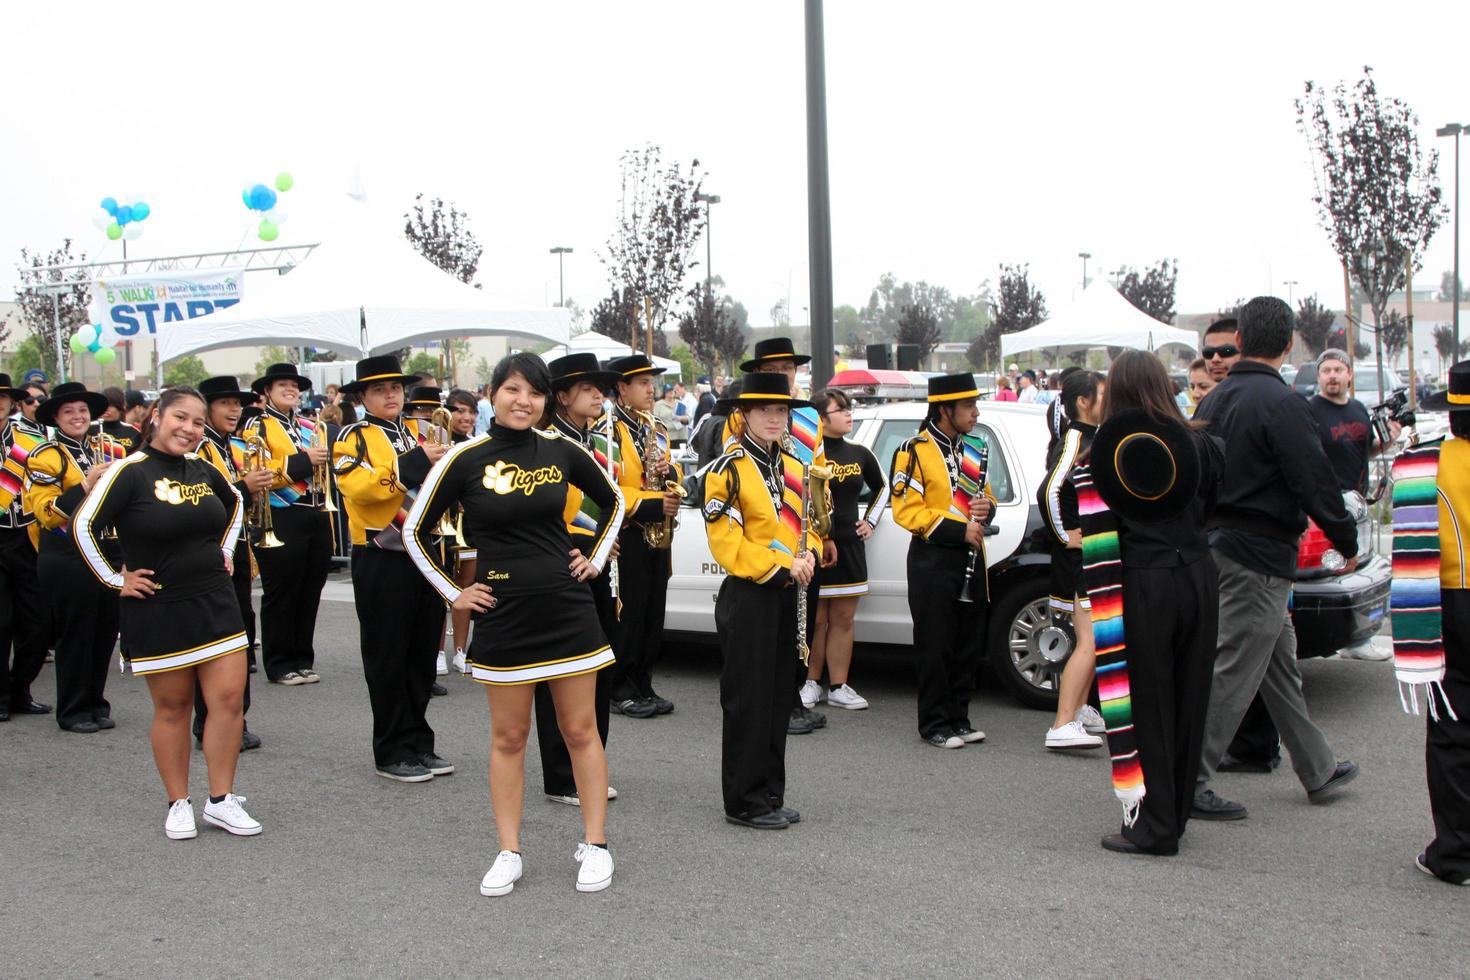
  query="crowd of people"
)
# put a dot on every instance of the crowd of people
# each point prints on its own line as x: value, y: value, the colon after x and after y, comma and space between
x: 529, y: 530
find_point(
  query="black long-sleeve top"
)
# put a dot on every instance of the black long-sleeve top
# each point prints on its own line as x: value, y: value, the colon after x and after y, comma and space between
x: 1183, y: 538
x: 853, y: 466
x: 513, y: 487
x: 1057, y: 497
x: 176, y: 515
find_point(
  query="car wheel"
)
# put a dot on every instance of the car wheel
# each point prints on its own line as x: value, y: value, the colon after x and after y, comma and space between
x: 1025, y: 649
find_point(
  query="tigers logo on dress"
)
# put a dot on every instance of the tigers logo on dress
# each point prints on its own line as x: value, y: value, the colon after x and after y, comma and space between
x: 503, y: 477
x: 173, y: 492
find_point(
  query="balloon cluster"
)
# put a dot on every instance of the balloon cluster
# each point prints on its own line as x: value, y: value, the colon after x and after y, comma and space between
x: 264, y: 199
x: 122, y: 219
x: 92, y: 338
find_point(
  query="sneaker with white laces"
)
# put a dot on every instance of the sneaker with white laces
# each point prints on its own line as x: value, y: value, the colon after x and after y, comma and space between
x: 596, y: 869
x: 1091, y: 720
x: 502, y: 876
x: 229, y: 814
x: 843, y: 696
x: 572, y: 799
x: 440, y: 667
x: 180, y: 822
x: 1072, y: 735
x: 459, y: 663
x: 811, y: 693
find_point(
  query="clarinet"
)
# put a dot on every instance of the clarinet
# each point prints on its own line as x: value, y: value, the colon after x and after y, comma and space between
x: 965, y: 595
x: 612, y: 564
x: 789, y: 447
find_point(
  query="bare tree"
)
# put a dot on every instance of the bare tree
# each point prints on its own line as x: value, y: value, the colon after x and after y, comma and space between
x: 50, y: 302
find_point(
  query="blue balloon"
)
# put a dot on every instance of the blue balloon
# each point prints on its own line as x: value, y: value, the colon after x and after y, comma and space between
x: 245, y: 196
x: 123, y: 215
x: 262, y: 198
x: 93, y: 346
x: 109, y: 204
x: 141, y: 210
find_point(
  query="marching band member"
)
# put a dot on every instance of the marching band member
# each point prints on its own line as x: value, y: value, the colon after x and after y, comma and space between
x: 753, y: 521
x: 85, y: 612
x: 465, y: 408
x: 949, y: 634
x: 23, y: 613
x: 378, y: 463
x: 177, y: 519
x: 537, y: 621
x: 417, y: 411
x: 643, y: 571
x: 114, y: 423
x: 291, y: 576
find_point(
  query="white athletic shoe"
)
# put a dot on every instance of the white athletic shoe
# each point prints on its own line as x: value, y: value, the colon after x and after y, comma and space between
x: 440, y: 667
x: 596, y: 869
x: 229, y: 815
x: 502, y: 876
x: 459, y: 663
x: 572, y: 799
x: 811, y: 693
x: 1366, y: 650
x: 1091, y: 720
x: 1071, y: 736
x: 180, y: 822
x: 843, y: 696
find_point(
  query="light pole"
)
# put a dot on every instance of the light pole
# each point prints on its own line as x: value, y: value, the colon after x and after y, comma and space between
x: 1084, y: 256
x: 1454, y: 129
x: 561, y: 252
x: 1291, y: 285
x: 710, y: 200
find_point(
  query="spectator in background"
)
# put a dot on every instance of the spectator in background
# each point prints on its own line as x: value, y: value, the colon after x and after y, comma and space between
x: 1003, y: 390
x: 1220, y: 350
x: 36, y: 393
x: 687, y: 399
x: 116, y: 404
x: 706, y: 401
x: 485, y: 412
x: 1026, y: 384
x: 1201, y: 381
x: 137, y: 409
x: 666, y: 411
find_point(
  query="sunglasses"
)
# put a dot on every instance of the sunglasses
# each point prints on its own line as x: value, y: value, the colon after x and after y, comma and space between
x: 1224, y: 350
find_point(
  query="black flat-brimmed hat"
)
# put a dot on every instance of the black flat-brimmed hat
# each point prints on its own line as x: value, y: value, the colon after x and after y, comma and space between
x: 426, y: 395
x: 1455, y: 398
x: 953, y: 388
x: 569, y: 370
x: 773, y: 349
x: 633, y: 365
x: 64, y: 394
x: 374, y: 370
x: 225, y: 386
x: 1147, y: 469
x: 6, y: 388
x: 279, y: 372
x: 763, y: 389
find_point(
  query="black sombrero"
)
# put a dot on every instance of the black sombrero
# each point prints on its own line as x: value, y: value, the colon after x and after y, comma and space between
x: 64, y: 394
x: 953, y: 388
x: 225, y: 386
x: 6, y: 388
x: 763, y: 389
x: 426, y: 396
x: 1455, y: 398
x: 567, y: 371
x: 374, y: 370
x: 279, y: 372
x: 774, y: 349
x: 1147, y: 469
x: 627, y: 368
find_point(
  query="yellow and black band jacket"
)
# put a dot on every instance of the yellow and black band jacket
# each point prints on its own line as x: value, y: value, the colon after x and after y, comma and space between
x: 377, y: 462
x: 580, y: 514
x: 286, y: 438
x: 752, y: 513
x: 54, y: 490
x: 631, y: 435
x: 924, y: 472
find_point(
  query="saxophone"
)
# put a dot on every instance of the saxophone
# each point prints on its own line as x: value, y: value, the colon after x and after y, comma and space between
x: 661, y: 535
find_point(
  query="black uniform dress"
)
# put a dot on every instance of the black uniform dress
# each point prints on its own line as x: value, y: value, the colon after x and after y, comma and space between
x: 1057, y: 500
x: 513, y: 487
x: 84, y: 610
x: 125, y: 434
x: 24, y: 617
x: 853, y: 467
x: 180, y: 517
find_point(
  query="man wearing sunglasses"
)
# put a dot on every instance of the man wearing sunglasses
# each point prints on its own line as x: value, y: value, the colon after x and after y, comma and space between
x: 35, y: 394
x: 1220, y: 351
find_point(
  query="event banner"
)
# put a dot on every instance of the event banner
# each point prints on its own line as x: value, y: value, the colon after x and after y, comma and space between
x: 126, y: 305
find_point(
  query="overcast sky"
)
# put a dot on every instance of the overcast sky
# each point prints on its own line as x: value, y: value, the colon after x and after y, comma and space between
x: 962, y: 134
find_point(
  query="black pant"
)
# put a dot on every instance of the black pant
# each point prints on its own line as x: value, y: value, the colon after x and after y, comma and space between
x: 1447, y: 748
x: 241, y: 580
x: 1170, y: 620
x: 24, y: 618
x: 643, y: 583
x: 757, y: 627
x: 1256, y: 740
x: 86, y: 615
x: 556, y: 761
x: 291, y: 580
x: 949, y: 635
x: 399, y: 616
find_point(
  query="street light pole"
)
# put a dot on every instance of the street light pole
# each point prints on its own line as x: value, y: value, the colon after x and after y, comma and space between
x: 1454, y: 129
x: 561, y: 251
x: 710, y: 200
x: 1291, y: 285
x: 1084, y: 256
x: 818, y: 198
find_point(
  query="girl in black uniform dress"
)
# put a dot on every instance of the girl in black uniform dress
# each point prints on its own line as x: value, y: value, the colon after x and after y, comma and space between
x: 177, y: 519
x: 840, y: 587
x: 534, y: 618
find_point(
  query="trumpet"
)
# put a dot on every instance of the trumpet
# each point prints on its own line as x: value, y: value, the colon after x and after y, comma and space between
x: 260, y: 519
x: 321, y: 473
x: 441, y: 421
x: 658, y: 536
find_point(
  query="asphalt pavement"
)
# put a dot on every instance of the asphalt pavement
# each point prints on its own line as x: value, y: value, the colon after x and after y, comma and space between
x: 908, y: 861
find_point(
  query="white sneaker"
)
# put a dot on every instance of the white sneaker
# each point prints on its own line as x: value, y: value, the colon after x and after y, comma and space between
x: 1071, y: 736
x: 502, y: 876
x: 459, y: 663
x: 1091, y: 720
x: 572, y: 799
x: 811, y: 693
x: 180, y: 822
x: 1367, y: 650
x: 440, y: 667
x: 596, y: 869
x: 229, y: 815
x: 843, y: 696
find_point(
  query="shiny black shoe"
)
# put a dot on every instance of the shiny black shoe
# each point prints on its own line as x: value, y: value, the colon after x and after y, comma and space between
x: 758, y: 821
x: 249, y: 740
x: 29, y: 706
x: 438, y: 690
x: 1344, y: 773
x: 792, y: 816
x: 106, y: 724
x: 633, y: 707
x: 1121, y: 845
x: 1210, y: 806
x: 798, y: 723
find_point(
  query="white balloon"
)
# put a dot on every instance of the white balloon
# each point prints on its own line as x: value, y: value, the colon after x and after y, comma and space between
x: 277, y: 214
x: 106, y: 335
x: 134, y: 198
x: 134, y: 230
x: 101, y: 219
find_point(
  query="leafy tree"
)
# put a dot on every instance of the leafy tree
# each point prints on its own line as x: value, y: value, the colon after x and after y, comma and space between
x: 27, y: 355
x: 1231, y: 311
x: 40, y: 307
x: 1338, y: 338
x: 711, y: 330
x: 614, y: 316
x: 321, y: 355
x: 578, y: 315
x: 919, y: 326
x: 780, y: 316
x: 273, y: 355
x: 483, y: 371
x: 423, y: 361
x: 890, y: 298
x: 1394, y: 333
x: 685, y: 357
x: 846, y: 329
x: 1447, y: 287
x: 1313, y: 324
x: 1152, y: 291
x: 187, y: 370
x: 441, y: 233
x: 1444, y: 344
x: 1015, y: 305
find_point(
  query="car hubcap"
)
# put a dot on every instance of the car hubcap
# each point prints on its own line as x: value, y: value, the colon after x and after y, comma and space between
x: 1038, y: 647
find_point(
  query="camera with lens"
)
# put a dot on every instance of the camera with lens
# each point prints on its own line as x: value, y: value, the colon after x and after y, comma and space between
x: 1394, y: 408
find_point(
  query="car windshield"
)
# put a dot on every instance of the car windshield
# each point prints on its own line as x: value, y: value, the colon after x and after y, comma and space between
x: 895, y: 431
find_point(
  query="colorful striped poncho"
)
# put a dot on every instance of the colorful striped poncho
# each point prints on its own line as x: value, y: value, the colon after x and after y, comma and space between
x: 1414, y: 601
x: 1102, y: 568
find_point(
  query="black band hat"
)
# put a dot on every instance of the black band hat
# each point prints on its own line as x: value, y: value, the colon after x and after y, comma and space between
x: 763, y: 389
x: 773, y: 349
x: 627, y: 368
x: 567, y: 371
x: 1146, y: 469
x: 6, y: 388
x: 426, y: 396
x: 63, y: 394
x: 225, y: 386
x: 279, y: 372
x: 953, y: 388
x: 376, y: 370
x: 1455, y: 398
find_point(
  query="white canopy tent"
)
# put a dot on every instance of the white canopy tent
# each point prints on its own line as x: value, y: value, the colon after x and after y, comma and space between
x: 1100, y: 317
x: 362, y: 291
x: 605, y: 348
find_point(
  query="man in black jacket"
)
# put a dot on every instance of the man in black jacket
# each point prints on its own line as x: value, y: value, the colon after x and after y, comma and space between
x: 1275, y: 469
